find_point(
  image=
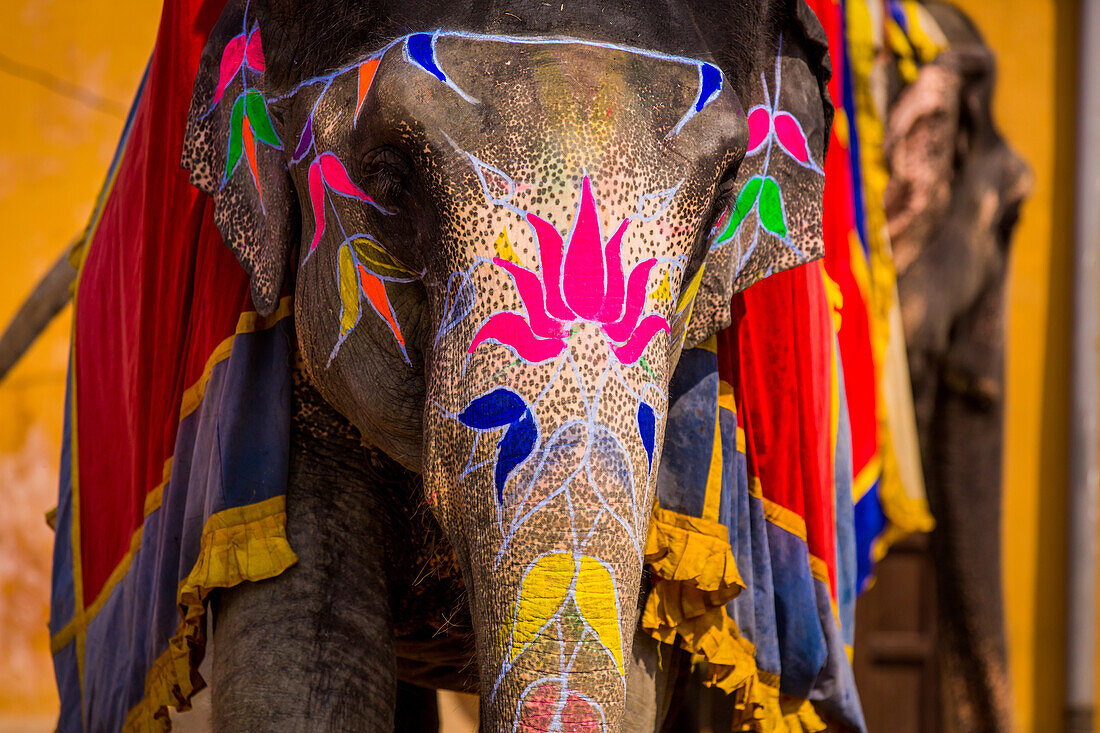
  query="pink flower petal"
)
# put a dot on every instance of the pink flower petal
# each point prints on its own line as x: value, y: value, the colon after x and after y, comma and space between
x: 530, y: 290
x: 550, y: 255
x: 616, y: 286
x: 512, y: 329
x: 790, y: 136
x: 231, y: 62
x: 336, y: 177
x: 543, y: 710
x: 583, y: 278
x: 632, y: 350
x: 254, y: 52
x: 759, y: 127
x: 317, y: 199
x: 635, y: 300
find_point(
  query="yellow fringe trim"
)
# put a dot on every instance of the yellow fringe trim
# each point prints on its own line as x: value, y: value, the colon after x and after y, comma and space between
x: 238, y: 544
x: 695, y: 575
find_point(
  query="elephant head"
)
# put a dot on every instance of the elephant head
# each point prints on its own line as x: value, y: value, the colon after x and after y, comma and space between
x: 499, y: 236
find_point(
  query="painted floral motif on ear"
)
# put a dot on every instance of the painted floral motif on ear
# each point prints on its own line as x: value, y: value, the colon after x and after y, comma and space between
x: 248, y: 124
x: 784, y: 128
x: 242, y: 52
x: 770, y: 127
x: 249, y: 121
x: 584, y: 282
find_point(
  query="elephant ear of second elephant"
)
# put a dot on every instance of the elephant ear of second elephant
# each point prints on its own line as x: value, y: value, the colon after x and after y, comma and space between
x: 773, y: 221
x: 235, y: 151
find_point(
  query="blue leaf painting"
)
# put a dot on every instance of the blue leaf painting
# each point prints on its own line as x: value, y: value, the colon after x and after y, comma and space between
x: 496, y: 409
x: 420, y: 50
x: 647, y: 427
x: 517, y: 444
x: 493, y: 409
x: 710, y: 83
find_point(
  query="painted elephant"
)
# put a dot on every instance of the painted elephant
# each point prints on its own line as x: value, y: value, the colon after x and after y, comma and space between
x: 953, y: 199
x: 500, y: 224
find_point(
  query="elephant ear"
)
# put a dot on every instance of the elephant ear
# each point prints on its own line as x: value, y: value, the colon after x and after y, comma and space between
x: 235, y: 150
x: 773, y: 221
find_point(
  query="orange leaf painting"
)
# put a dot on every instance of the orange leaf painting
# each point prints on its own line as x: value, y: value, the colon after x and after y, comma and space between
x: 375, y: 290
x: 250, y: 153
x: 366, y: 76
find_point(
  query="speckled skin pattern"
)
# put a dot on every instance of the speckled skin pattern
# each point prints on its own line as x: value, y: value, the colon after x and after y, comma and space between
x: 442, y: 156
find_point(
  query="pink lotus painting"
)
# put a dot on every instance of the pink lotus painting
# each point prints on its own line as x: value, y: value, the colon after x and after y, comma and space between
x: 584, y: 282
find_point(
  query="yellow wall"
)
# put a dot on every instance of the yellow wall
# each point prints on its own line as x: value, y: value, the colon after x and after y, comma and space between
x: 54, y: 151
x: 1035, y: 42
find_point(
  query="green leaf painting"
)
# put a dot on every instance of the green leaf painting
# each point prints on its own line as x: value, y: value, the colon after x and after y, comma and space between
x: 251, y: 106
x: 771, y: 208
x: 256, y: 108
x: 236, y: 137
x: 761, y: 193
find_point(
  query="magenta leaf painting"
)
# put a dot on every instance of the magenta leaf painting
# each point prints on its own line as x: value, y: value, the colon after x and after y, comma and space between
x: 760, y: 127
x: 584, y: 282
x: 784, y: 128
x: 328, y: 175
x: 240, y: 51
x: 789, y: 133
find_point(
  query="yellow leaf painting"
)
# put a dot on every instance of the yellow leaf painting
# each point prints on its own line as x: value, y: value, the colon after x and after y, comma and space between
x: 598, y: 603
x: 687, y: 295
x: 541, y: 595
x: 349, y: 290
x: 379, y: 261
x: 663, y: 291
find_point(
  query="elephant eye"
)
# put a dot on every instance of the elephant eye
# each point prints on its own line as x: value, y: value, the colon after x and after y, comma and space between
x: 726, y: 184
x: 388, y: 171
x: 723, y: 197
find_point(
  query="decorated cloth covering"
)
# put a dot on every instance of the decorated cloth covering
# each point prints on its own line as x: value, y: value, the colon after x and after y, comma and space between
x: 813, y: 353
x: 173, y: 473
x: 751, y: 543
x: 888, y: 483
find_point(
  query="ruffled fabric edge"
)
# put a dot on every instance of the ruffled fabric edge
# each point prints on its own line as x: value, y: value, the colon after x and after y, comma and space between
x: 240, y: 544
x: 694, y: 576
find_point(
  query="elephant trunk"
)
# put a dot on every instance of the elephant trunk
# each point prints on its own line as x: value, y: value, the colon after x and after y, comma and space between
x: 541, y: 475
x: 553, y: 642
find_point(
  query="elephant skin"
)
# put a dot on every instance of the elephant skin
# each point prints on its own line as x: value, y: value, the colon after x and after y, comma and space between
x: 500, y: 224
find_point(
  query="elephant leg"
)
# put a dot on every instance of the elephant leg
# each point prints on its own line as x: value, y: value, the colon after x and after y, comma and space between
x: 313, y: 649
x: 653, y: 680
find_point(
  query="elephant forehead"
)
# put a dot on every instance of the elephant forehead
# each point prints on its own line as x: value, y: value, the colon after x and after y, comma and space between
x: 572, y: 81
